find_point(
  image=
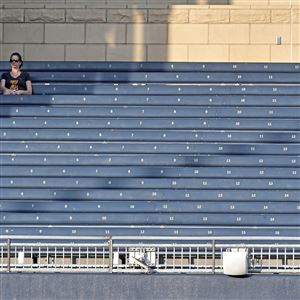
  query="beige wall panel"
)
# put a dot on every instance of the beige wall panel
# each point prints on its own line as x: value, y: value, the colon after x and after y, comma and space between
x: 23, y: 33
x: 296, y: 16
x: 241, y: 16
x: 147, y: 33
x: 293, y: 262
x: 127, y: 16
x: 85, y: 52
x: 285, y: 53
x: 87, y: 2
x: 11, y: 15
x: 271, y: 262
x: 19, y: 6
x: 64, y: 5
x: 105, y: 33
x: 126, y: 52
x: 44, y: 15
x: 64, y: 33
x: 44, y: 52
x: 7, y: 49
x: 170, y: 2
x: 167, y: 53
x: 86, y: 15
x: 154, y: 3
x: 134, y: 2
x: 209, y: 16
x: 177, y: 261
x: 92, y: 261
x: 267, y: 33
x: 111, y: 4
x: 208, y: 53
x: 148, y: 30
x: 249, y: 53
x: 63, y: 261
x: 249, y: 2
x: 283, y: 2
x: 13, y: 1
x: 188, y: 33
x: 295, y: 34
x: 178, y: 16
x: 45, y: 1
x: 207, y: 262
x: 229, y: 34
x: 131, y: 2
x: 281, y: 16
x: 56, y: 261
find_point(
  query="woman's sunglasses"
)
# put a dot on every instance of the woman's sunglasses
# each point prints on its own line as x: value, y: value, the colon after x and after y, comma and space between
x: 14, y: 60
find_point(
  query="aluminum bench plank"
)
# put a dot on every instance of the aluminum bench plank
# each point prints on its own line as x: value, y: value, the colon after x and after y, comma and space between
x: 151, y: 123
x: 237, y: 233
x: 149, y: 148
x: 154, y: 111
x: 151, y: 172
x: 99, y: 218
x: 156, y: 66
x: 150, y: 206
x: 159, y: 160
x: 154, y: 194
x: 82, y: 135
x: 149, y: 100
x: 160, y: 89
x: 149, y: 183
x: 165, y: 77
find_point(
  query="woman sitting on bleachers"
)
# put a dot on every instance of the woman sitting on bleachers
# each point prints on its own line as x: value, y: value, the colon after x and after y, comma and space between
x: 16, y: 82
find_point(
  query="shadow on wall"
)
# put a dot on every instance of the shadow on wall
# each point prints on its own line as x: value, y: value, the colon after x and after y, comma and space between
x: 154, y: 45
x: 216, y: 2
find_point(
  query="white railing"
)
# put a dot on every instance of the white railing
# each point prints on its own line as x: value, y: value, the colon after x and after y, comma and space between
x: 147, y: 255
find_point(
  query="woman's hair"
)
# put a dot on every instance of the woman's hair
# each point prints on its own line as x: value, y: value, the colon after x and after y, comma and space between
x: 19, y: 56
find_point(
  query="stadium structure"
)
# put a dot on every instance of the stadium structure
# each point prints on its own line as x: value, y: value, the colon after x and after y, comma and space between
x: 149, y: 175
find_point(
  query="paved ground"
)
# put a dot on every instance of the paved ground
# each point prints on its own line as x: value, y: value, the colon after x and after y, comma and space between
x: 100, y: 286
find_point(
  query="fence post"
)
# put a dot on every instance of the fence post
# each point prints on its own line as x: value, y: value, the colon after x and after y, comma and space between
x: 110, y: 249
x: 8, y: 255
x: 213, y: 256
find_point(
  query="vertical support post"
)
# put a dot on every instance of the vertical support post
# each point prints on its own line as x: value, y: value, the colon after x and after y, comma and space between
x: 213, y: 256
x: 110, y: 249
x: 8, y: 255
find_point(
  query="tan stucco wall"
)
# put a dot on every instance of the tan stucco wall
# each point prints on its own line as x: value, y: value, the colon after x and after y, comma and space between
x: 154, y: 30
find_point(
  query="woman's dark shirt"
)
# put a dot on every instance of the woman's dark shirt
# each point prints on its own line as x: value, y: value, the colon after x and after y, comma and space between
x: 18, y: 83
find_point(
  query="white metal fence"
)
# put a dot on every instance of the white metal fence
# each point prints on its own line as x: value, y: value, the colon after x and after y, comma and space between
x: 163, y: 256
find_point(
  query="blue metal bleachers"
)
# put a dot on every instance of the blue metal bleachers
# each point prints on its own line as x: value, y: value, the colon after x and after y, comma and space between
x: 161, y: 100
x: 165, y: 89
x: 152, y: 149
x: 157, y: 66
x: 165, y: 77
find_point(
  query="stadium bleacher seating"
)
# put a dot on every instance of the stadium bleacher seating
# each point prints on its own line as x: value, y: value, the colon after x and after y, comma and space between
x: 152, y: 149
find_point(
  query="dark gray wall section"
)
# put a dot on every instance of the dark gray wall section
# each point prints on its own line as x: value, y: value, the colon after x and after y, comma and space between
x: 99, y: 286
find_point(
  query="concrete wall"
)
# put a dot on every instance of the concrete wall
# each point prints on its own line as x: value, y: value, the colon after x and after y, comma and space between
x: 147, y: 287
x: 153, y: 30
